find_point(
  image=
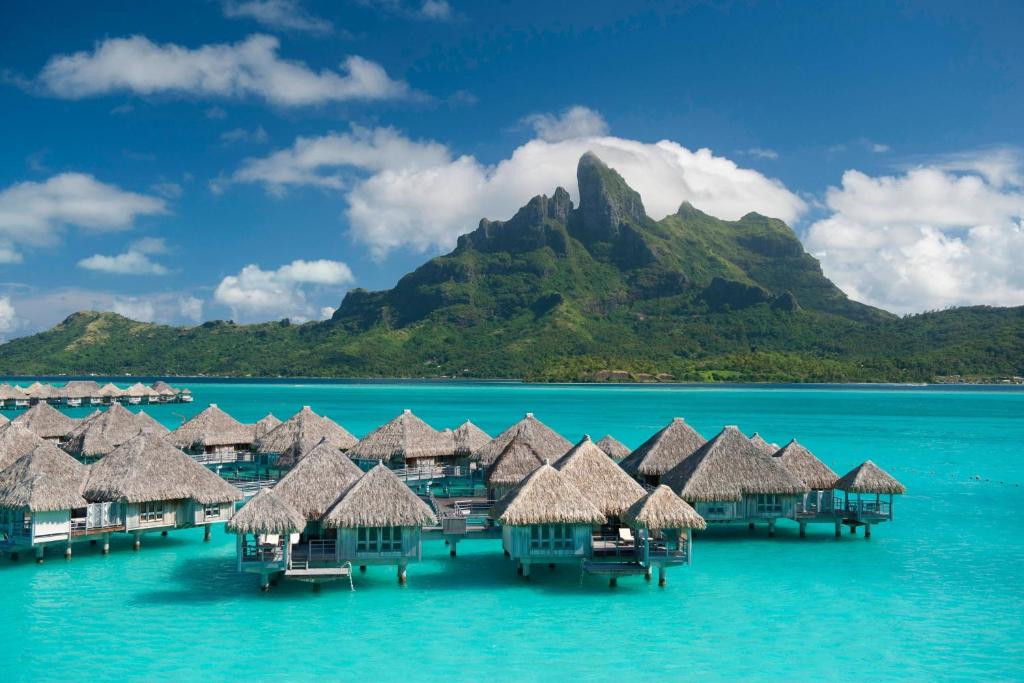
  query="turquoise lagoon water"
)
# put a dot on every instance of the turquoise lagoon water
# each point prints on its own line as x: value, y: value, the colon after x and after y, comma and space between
x: 939, y: 593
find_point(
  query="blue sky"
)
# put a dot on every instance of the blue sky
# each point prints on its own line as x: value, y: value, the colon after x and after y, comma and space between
x: 254, y: 159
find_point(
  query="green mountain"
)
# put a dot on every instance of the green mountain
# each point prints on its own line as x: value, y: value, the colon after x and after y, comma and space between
x: 574, y: 293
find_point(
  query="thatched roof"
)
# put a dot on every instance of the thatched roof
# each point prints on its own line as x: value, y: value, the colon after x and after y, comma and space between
x: 469, y: 439
x: 663, y: 509
x: 147, y: 468
x: 300, y: 432
x: 318, y: 480
x: 613, y: 448
x: 762, y: 445
x: 78, y: 388
x: 803, y: 465
x: 163, y: 388
x: 406, y: 436
x: 46, y: 421
x: 868, y: 477
x: 139, y: 389
x: 663, y: 451
x: 517, y: 460
x: 599, y: 478
x: 211, y: 427
x: 263, y: 426
x: 41, y: 391
x: 547, y: 442
x: 43, y: 480
x: 16, y: 441
x: 727, y: 468
x: 4, y: 420
x: 106, y: 431
x: 378, y: 499
x: 267, y: 513
x: 9, y: 393
x: 546, y: 497
x: 110, y: 390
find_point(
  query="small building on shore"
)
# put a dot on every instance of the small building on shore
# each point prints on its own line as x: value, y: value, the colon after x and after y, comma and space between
x: 668, y: 447
x: 405, y: 442
x: 47, y: 422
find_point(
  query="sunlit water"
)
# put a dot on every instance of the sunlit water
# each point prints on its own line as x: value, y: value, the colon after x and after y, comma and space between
x: 937, y: 593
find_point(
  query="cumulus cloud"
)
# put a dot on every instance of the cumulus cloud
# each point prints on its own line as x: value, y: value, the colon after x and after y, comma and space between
x: 574, y: 122
x: 191, y: 308
x: 8, y: 319
x: 282, y: 15
x: 257, y: 294
x: 428, y: 10
x: 762, y: 153
x: 41, y: 309
x: 417, y: 194
x: 250, y: 68
x: 33, y: 213
x: 935, y: 236
x: 243, y: 135
x: 134, y: 261
x: 8, y: 254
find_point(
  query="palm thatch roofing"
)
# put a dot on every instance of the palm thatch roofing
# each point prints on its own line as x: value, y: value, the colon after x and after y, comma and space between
x: 43, y: 480
x: 148, y: 423
x: 599, y: 478
x: 139, y: 389
x: 163, y: 388
x: 110, y: 390
x: 211, y: 427
x: 147, y: 468
x: 79, y: 388
x: 469, y: 439
x: 546, y: 497
x: 515, y: 462
x: 868, y: 477
x: 727, y: 468
x: 16, y: 441
x: 106, y: 431
x: 46, y: 421
x: 613, y: 448
x: 379, y: 499
x: 300, y: 432
x: 762, y: 445
x: 41, y: 391
x: 406, y: 436
x: 4, y: 420
x: 803, y: 465
x: 267, y: 513
x: 318, y: 480
x: 547, y: 442
x: 10, y: 393
x: 263, y: 426
x: 667, y: 448
x: 663, y: 509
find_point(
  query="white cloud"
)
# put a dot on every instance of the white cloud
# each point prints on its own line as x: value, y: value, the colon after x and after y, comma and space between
x: 8, y: 319
x: 428, y: 10
x: 135, y: 308
x: 8, y: 254
x: 134, y: 261
x: 250, y: 68
x: 39, y: 310
x: 416, y: 194
x: 438, y: 10
x: 762, y: 153
x: 574, y: 122
x: 283, y: 15
x: 257, y: 294
x: 326, y: 312
x: 216, y: 114
x: 33, y: 213
x: 191, y: 308
x: 243, y: 135
x: 927, y: 239
x: 167, y: 189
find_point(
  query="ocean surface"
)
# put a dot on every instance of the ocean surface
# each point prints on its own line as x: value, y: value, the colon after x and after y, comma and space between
x: 936, y: 594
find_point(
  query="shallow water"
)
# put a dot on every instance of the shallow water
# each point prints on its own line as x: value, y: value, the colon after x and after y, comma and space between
x: 939, y: 593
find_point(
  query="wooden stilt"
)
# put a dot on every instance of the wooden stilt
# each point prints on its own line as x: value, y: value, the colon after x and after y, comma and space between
x: 164, y: 533
x: 613, y: 582
x: 519, y: 568
x: 839, y: 529
x: 867, y: 531
x: 771, y: 527
x: 526, y: 569
x: 316, y: 586
x: 362, y: 568
x: 40, y: 551
x: 401, y: 574
x: 551, y: 565
x: 648, y: 573
x: 106, y: 544
x: 750, y: 526
x: 853, y: 529
x: 803, y: 529
x: 264, y: 582
x: 137, y: 543
x: 92, y: 541
x: 67, y: 551
x: 661, y: 575
x: 14, y: 557
x: 454, y: 544
x: 206, y: 533
x: 507, y: 554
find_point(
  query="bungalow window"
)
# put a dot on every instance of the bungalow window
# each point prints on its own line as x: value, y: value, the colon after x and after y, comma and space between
x: 151, y: 512
x: 768, y: 503
x: 379, y: 539
x: 551, y: 537
x: 211, y: 511
x: 715, y: 509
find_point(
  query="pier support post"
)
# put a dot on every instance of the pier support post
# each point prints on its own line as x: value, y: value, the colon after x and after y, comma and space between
x: 661, y: 575
x: 853, y: 529
x: 401, y: 574
x: 507, y: 554
x: 362, y: 568
x: 164, y: 533
x: 648, y: 573
x: 137, y: 542
x: 264, y: 581
x: 316, y: 586
x: 551, y: 565
x: 750, y: 527
x: 526, y: 569
x: 40, y: 551
x: 14, y: 557
x: 67, y: 551
x: 206, y: 533
x: 803, y: 529
x: 867, y: 531
x: 106, y: 544
x: 771, y: 527
x: 839, y: 529
x: 92, y: 541
x: 453, y: 544
x: 613, y: 582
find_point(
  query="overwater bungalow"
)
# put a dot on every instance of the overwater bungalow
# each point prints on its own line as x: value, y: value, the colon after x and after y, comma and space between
x: 289, y: 441
x: 213, y: 434
x: 515, y: 462
x: 405, y: 442
x: 47, y: 422
x: 545, y: 519
x: 666, y: 449
x: 79, y: 392
x: 862, y: 503
x: 42, y: 393
x: 110, y: 393
x: 164, y: 391
x: 613, y: 448
x: 548, y: 443
x: 185, y: 395
x: 762, y: 445
x: 469, y: 439
x: 662, y: 523
x: 159, y: 488
x: 148, y: 423
x: 140, y: 393
x: 10, y: 395
x: 817, y: 504
x: 729, y: 480
x: 265, y: 527
x: 316, y: 482
x: 95, y: 437
x: 263, y: 426
x: 602, y: 481
x: 16, y: 441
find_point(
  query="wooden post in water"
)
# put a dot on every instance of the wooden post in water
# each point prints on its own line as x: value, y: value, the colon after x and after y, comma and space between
x: 164, y: 533
x: 362, y: 568
x: 106, y: 544
x: 206, y: 533
x: 454, y: 544
x: 67, y: 551
x: 264, y: 581
x: 853, y: 529
x: 867, y: 531
x: 803, y: 529
x: 613, y: 582
x: 401, y: 573
x: 14, y: 557
x: 137, y: 543
x: 771, y: 528
x: 526, y: 569
x: 839, y: 528
x: 40, y: 550
x: 648, y: 573
x: 750, y: 527
x: 661, y: 575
